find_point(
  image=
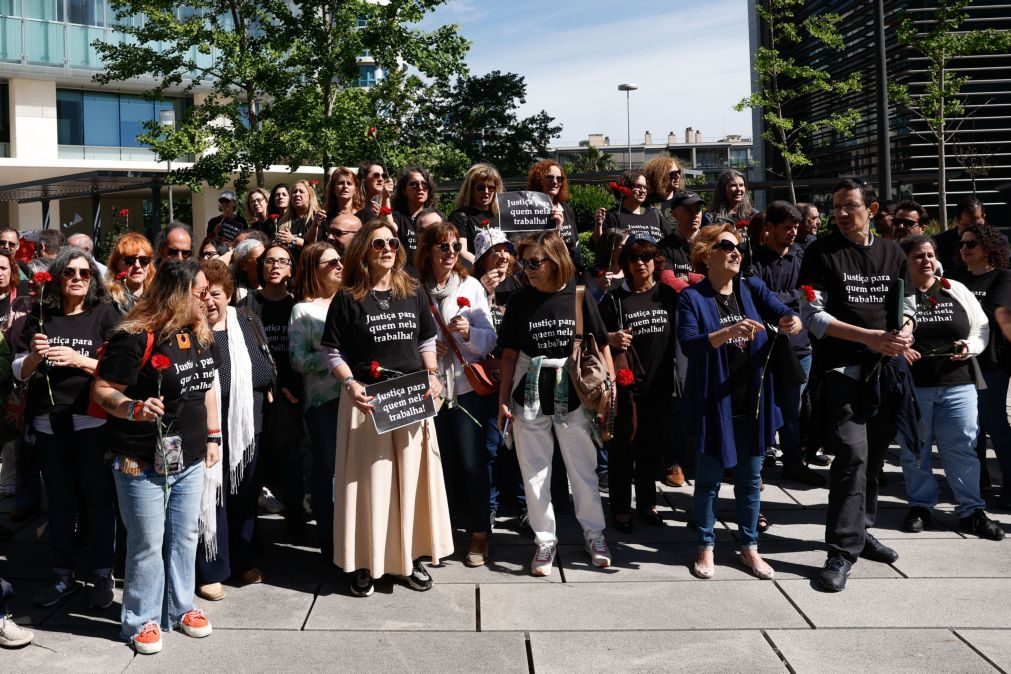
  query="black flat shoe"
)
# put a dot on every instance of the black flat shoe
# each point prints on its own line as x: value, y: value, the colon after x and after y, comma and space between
x: 651, y: 517
x: 876, y: 551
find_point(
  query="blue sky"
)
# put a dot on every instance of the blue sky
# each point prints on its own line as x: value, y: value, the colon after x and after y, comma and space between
x: 689, y: 58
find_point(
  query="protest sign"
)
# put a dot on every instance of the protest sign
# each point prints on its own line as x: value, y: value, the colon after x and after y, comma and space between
x: 400, y: 402
x: 523, y: 211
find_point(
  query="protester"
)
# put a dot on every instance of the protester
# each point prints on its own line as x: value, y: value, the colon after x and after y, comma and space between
x: 429, y: 217
x: 87, y: 244
x: 245, y: 268
x: 415, y: 192
x: 883, y: 220
x: 910, y: 220
x: 730, y: 409
x: 630, y: 213
x: 606, y: 272
x: 390, y: 506
x: 11, y: 635
x: 319, y: 275
x: 57, y: 352
x: 866, y: 389
x: 460, y: 308
x: 130, y: 270
x: 257, y: 209
x: 686, y: 210
x: 810, y: 223
x: 950, y: 329
x: 476, y: 207
x: 158, y: 373
x: 494, y: 267
x: 213, y: 248
x: 640, y: 318
x: 9, y: 431
x: 984, y: 254
x: 731, y: 202
x: 341, y: 230
x: 970, y: 211
x: 175, y: 241
x: 302, y: 221
x: 536, y: 337
x: 227, y: 225
x: 245, y: 374
x: 50, y: 242
x: 665, y: 179
x: 342, y: 196
x: 280, y: 197
x: 376, y: 189
x: 549, y: 177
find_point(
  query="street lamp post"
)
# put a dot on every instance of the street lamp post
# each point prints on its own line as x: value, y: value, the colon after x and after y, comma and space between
x: 167, y: 118
x: 627, y: 88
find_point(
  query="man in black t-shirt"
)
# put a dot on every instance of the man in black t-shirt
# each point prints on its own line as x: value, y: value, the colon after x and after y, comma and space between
x: 849, y: 278
x: 686, y: 207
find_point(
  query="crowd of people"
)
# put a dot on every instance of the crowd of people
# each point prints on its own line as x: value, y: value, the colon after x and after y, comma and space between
x: 173, y: 392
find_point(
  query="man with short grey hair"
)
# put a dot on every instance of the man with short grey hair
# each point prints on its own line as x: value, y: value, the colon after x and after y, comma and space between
x: 87, y: 244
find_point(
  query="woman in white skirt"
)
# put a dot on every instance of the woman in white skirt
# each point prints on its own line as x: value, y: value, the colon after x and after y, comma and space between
x: 390, y: 506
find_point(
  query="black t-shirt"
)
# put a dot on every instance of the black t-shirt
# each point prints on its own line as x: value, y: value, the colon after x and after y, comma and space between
x: 5, y: 308
x: 407, y: 232
x: 274, y: 315
x: 651, y: 316
x: 84, y: 332
x: 650, y: 222
x: 183, y: 387
x: 859, y: 284
x: 940, y: 321
x: 992, y: 289
x: 506, y: 289
x: 729, y: 307
x: 262, y: 373
x: 544, y: 324
x: 469, y: 221
x: 229, y: 229
x: 678, y: 251
x: 364, y: 332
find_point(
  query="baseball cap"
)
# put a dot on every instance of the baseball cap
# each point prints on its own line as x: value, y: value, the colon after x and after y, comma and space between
x: 227, y: 195
x: 686, y: 199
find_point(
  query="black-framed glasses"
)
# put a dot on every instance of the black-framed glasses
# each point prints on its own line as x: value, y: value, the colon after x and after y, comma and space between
x: 728, y: 246
x: 446, y: 246
x: 381, y: 244
x: 418, y: 185
x: 533, y: 262
x: 130, y: 260
x: 640, y: 188
x: 554, y: 179
x: 968, y: 243
x: 674, y: 175
x: 73, y: 272
x: 485, y: 188
x: 9, y: 245
x: 277, y: 262
x: 338, y: 233
x: 176, y: 252
x: 332, y: 264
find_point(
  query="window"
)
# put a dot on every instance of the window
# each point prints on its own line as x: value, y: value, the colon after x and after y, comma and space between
x: 42, y: 9
x: 101, y: 119
x: 5, y: 122
x: 84, y: 12
x: 362, y: 21
x: 106, y: 120
x: 69, y: 117
x: 366, y: 75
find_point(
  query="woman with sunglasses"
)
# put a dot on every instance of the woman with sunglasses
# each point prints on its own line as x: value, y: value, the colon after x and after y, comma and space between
x: 316, y: 282
x: 631, y: 213
x: 729, y: 407
x: 665, y: 179
x: 731, y: 203
x: 984, y: 252
x: 303, y: 220
x: 130, y: 271
x: 57, y: 354
x: 415, y: 192
x: 390, y: 506
x: 375, y: 188
x: 460, y: 306
x: 213, y: 249
x: 342, y: 194
x: 476, y: 207
x: 540, y: 403
x: 640, y: 318
x: 549, y: 177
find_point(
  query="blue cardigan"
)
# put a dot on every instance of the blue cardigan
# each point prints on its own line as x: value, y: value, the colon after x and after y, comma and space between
x: 707, y: 413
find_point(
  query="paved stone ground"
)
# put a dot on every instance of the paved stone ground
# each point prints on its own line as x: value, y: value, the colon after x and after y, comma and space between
x: 939, y: 608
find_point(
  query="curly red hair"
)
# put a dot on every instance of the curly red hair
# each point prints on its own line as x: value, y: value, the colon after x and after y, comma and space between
x: 536, y: 182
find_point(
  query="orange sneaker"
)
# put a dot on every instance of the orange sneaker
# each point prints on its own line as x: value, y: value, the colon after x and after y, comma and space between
x: 148, y: 640
x: 195, y: 624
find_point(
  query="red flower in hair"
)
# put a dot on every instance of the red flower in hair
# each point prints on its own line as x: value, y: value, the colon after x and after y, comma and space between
x: 124, y: 212
x: 160, y: 362
x: 121, y: 275
x: 945, y: 283
x: 625, y: 377
x: 42, y: 277
x: 808, y: 293
x: 462, y: 302
x: 385, y: 210
x: 743, y: 224
x: 375, y: 369
x: 371, y: 133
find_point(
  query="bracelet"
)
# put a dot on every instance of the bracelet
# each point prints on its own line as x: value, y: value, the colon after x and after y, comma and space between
x: 435, y: 372
x: 213, y: 431
x: 350, y: 379
x: 216, y: 439
x: 131, y: 409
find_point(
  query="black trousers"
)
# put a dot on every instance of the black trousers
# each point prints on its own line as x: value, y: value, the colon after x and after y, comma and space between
x: 860, y: 442
x: 641, y: 459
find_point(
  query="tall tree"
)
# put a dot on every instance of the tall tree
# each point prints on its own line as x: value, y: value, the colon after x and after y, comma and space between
x: 782, y: 82
x: 938, y: 101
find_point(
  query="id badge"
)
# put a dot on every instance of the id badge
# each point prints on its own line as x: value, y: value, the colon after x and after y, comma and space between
x: 170, y: 458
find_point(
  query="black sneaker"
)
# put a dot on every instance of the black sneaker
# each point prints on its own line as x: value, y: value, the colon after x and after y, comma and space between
x: 603, y: 486
x: 819, y: 458
x: 980, y: 525
x: 62, y: 587
x: 419, y: 579
x: 832, y: 577
x: 361, y: 583
x: 917, y: 519
x: 876, y: 551
x: 802, y: 474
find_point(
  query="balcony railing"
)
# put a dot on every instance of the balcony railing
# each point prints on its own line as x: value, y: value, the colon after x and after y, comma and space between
x: 102, y: 152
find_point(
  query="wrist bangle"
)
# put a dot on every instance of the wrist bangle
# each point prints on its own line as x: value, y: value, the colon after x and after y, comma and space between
x: 214, y: 431
x: 216, y: 439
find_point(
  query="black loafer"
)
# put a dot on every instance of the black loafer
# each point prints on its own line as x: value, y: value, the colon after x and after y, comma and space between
x: 651, y: 518
x: 980, y: 525
x: 832, y: 577
x: 917, y: 519
x: 876, y: 551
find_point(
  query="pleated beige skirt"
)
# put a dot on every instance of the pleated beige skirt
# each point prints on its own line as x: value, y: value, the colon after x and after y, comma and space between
x: 390, y: 504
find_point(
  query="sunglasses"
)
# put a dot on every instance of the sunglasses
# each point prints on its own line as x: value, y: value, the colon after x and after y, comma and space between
x: 418, y: 185
x: 674, y: 175
x: 728, y: 246
x: 968, y: 243
x: 533, y: 262
x: 905, y: 223
x: 644, y: 258
x: 9, y: 245
x: 554, y: 179
x: 376, y: 176
x: 338, y: 233
x: 381, y: 244
x: 175, y: 252
x: 74, y: 272
x: 485, y: 188
x: 277, y: 262
x: 445, y: 246
x: 130, y: 260
x: 332, y: 264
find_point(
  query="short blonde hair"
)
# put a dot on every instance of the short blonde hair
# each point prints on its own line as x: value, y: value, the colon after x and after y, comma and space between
x: 702, y: 244
x: 555, y: 250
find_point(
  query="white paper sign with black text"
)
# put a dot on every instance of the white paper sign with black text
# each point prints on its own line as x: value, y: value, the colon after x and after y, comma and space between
x: 400, y: 402
x: 523, y: 211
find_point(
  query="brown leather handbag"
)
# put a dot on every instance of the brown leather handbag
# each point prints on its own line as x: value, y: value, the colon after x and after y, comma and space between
x: 587, y: 369
x: 483, y: 375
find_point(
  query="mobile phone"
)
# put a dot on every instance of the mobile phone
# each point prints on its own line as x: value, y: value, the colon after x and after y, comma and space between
x: 506, y: 439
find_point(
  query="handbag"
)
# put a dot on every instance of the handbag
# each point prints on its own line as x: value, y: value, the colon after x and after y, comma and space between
x: 586, y: 368
x: 784, y: 362
x: 483, y: 375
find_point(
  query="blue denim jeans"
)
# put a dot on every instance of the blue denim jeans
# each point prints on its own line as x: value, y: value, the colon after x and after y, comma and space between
x: 321, y: 421
x: 948, y: 417
x: 789, y: 399
x: 993, y: 422
x: 161, y: 546
x: 468, y: 455
x: 747, y: 489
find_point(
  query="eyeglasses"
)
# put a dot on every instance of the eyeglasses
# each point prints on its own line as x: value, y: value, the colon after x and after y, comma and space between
x: 74, y: 272
x: 175, y: 252
x: 200, y: 293
x: 381, y: 244
x: 968, y: 243
x: 728, y: 246
x: 418, y: 185
x: 208, y: 254
x: 644, y: 258
x: 485, y: 188
x: 338, y: 233
x: 639, y: 188
x: 376, y: 176
x: 332, y: 264
x: 130, y: 260
x: 277, y: 262
x: 847, y: 208
x: 554, y: 179
x: 9, y: 245
x: 533, y: 262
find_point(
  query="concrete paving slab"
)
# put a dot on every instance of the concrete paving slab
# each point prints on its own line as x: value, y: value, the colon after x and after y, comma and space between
x: 75, y: 613
x: 798, y: 560
x: 506, y: 564
x: 59, y: 651
x: 643, y: 562
x: 636, y: 606
x: 868, y: 650
x: 727, y: 651
x: 914, y: 602
x: 397, y: 608
x: 888, y: 525
x: 262, y: 606
x: 994, y: 644
x: 357, y: 652
x: 968, y: 558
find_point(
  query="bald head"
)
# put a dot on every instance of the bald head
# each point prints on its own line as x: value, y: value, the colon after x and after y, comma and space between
x: 82, y: 241
x: 342, y: 229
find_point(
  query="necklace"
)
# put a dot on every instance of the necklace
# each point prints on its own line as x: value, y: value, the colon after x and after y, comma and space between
x: 383, y: 302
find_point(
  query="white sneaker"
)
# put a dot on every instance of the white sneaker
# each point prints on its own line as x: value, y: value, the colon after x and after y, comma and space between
x: 13, y: 636
x: 543, y: 560
x: 596, y: 547
x: 269, y: 502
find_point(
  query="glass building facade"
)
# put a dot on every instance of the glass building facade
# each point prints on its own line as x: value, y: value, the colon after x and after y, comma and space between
x: 5, y: 121
x: 93, y: 124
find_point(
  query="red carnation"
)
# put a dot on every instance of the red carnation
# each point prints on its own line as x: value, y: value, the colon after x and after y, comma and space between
x: 808, y: 293
x: 462, y: 302
x: 385, y: 210
x: 160, y: 362
x: 620, y: 189
x: 485, y: 223
x: 625, y: 377
x: 121, y: 275
x: 375, y: 369
x: 124, y: 212
x: 274, y: 216
x: 372, y: 132
x: 42, y: 277
x: 743, y: 224
x: 945, y: 283
x: 314, y: 182
x: 932, y: 301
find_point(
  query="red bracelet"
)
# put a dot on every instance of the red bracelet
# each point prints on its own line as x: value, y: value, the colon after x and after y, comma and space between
x: 213, y: 431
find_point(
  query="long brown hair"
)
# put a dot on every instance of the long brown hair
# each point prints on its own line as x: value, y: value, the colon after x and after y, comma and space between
x: 330, y: 196
x: 166, y: 307
x: 308, y: 285
x: 431, y: 237
x: 356, y: 265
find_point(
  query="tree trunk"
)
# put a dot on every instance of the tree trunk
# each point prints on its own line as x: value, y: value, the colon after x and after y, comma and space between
x: 942, y: 172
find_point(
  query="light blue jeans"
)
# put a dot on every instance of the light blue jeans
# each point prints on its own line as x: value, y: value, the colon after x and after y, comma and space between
x: 747, y: 489
x: 161, y: 546
x: 949, y: 418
